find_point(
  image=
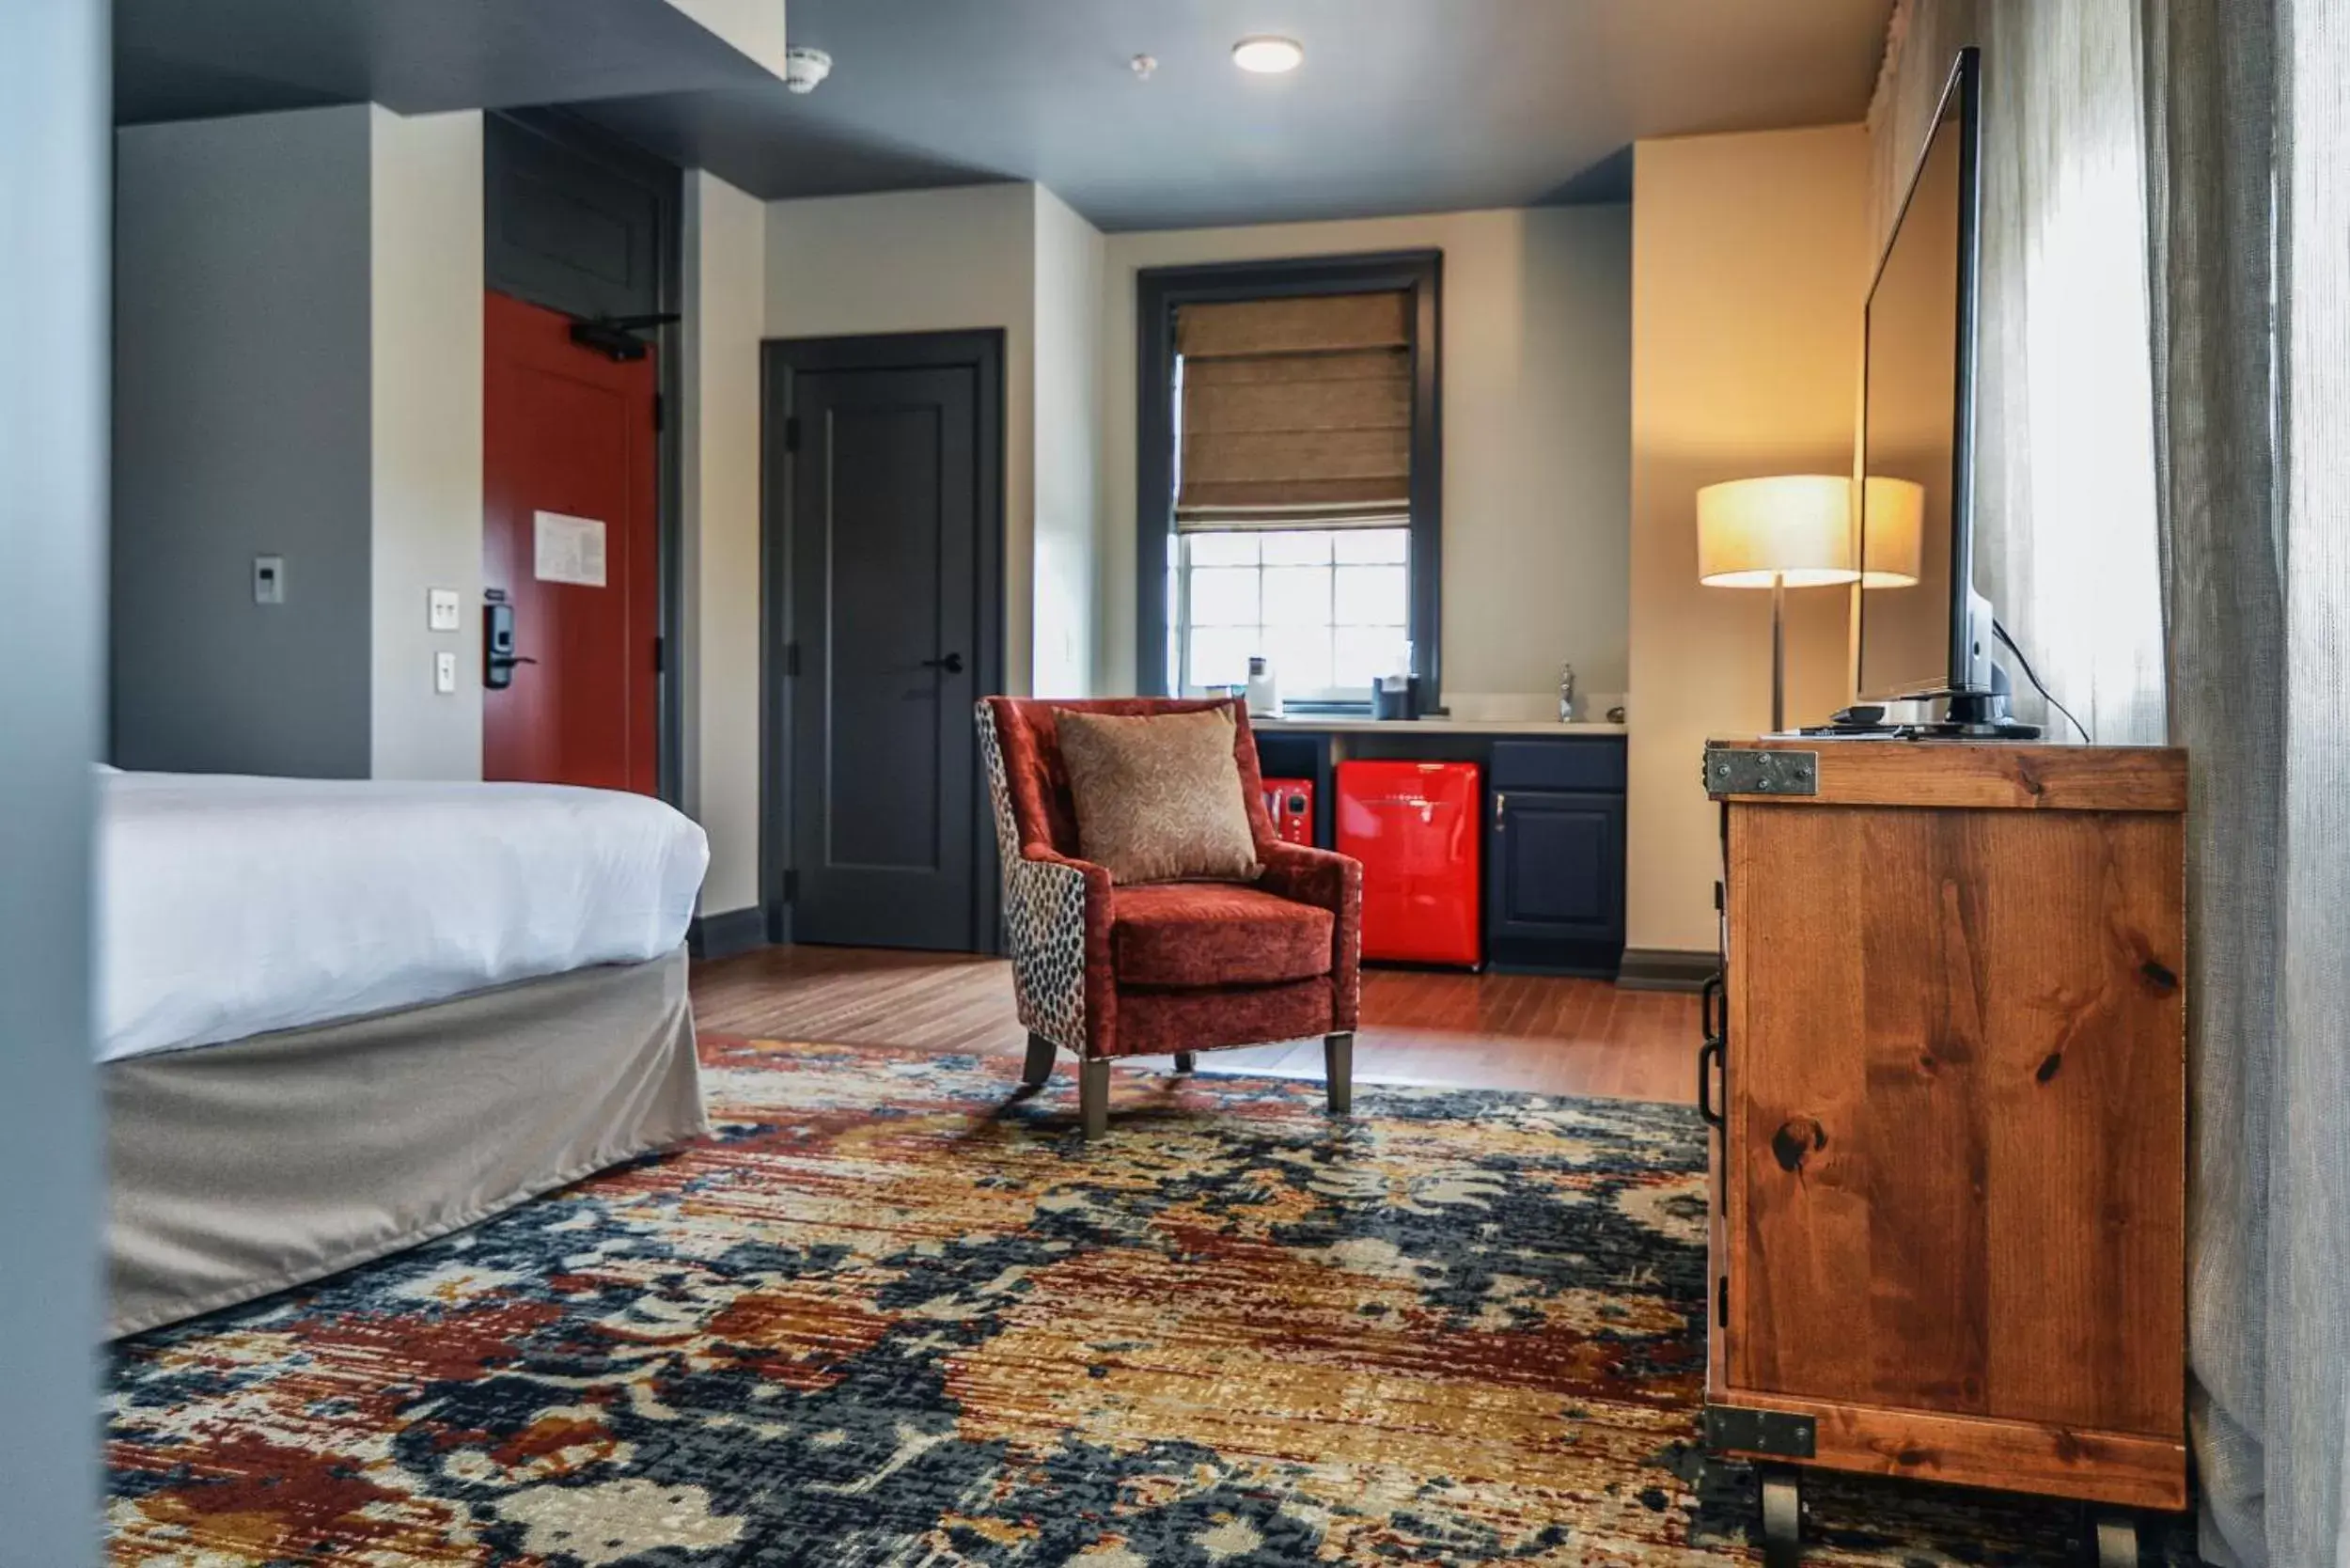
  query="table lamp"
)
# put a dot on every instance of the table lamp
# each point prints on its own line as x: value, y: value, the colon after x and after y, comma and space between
x: 1893, y: 515
x: 1787, y: 530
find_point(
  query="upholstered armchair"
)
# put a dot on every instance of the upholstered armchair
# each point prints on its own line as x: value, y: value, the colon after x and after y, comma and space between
x: 1105, y: 970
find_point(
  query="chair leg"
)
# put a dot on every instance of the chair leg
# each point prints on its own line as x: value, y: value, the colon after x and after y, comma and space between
x: 1040, y: 1066
x: 1093, y: 1095
x: 1338, y: 1071
x: 1185, y: 1060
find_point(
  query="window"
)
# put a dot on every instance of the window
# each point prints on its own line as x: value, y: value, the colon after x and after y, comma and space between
x: 1289, y: 476
x: 1329, y: 607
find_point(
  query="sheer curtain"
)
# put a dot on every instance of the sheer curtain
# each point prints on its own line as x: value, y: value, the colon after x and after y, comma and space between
x: 2165, y: 476
x: 2249, y: 185
x: 2065, y: 464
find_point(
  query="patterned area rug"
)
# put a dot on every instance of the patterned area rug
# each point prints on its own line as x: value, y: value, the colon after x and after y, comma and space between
x: 895, y: 1313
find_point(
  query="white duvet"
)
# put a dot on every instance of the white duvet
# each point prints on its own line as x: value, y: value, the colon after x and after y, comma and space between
x: 229, y: 905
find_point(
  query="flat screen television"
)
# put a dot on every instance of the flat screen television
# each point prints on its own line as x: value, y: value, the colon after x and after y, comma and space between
x: 1925, y: 632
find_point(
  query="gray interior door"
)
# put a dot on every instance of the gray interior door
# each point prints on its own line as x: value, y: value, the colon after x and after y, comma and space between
x: 888, y: 480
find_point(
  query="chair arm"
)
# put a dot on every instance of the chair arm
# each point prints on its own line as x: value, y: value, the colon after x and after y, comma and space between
x: 1332, y: 882
x: 1322, y: 878
x: 1057, y: 922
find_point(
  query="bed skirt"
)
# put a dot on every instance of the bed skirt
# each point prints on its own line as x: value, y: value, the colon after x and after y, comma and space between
x: 243, y: 1168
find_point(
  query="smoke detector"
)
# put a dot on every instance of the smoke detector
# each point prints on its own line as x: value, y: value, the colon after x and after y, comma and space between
x: 803, y: 68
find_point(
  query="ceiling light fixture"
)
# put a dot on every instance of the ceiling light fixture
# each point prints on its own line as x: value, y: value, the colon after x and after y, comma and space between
x: 1267, y: 55
x: 804, y: 68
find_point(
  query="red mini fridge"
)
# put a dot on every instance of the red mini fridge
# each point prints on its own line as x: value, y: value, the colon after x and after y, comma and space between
x: 1417, y: 829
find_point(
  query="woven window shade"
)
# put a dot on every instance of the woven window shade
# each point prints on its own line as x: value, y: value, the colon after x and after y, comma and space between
x: 1298, y: 413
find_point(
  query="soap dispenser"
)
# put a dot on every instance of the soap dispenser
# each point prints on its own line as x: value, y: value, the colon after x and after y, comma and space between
x: 1566, y: 694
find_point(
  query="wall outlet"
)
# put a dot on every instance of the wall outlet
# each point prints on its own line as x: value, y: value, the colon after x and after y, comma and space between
x: 441, y: 609
x: 444, y: 673
x: 268, y: 579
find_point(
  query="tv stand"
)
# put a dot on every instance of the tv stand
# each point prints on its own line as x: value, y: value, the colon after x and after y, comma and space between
x: 1975, y: 715
x: 1945, y: 1073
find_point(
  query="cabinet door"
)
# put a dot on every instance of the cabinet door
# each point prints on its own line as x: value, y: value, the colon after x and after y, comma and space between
x: 1557, y: 864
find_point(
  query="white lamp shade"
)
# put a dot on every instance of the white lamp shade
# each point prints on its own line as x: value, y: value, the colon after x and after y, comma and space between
x: 1795, y: 528
x: 1893, y: 514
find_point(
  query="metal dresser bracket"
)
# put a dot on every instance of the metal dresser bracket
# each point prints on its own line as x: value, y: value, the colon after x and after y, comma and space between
x: 1741, y: 770
x: 1731, y: 1428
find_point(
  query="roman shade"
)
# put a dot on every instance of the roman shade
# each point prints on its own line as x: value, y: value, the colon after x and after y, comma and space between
x: 1296, y: 412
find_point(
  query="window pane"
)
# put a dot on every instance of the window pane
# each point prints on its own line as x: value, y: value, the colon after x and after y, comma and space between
x: 1222, y: 549
x: 1220, y: 655
x: 1370, y: 595
x: 1297, y: 596
x: 1223, y: 596
x: 1300, y: 658
x: 1366, y: 652
x: 1285, y: 548
x: 1374, y: 546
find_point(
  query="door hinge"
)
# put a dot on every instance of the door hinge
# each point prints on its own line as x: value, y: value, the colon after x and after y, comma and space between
x: 660, y: 412
x: 791, y: 432
x: 791, y: 658
x: 660, y: 656
x: 1721, y: 1302
x: 790, y: 886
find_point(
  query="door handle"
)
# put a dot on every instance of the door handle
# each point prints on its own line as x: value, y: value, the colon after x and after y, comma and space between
x: 498, y: 657
x: 1501, y: 804
x: 952, y: 664
x: 1713, y: 1022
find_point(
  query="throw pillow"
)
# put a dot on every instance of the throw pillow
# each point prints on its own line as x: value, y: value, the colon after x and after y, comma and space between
x: 1158, y: 795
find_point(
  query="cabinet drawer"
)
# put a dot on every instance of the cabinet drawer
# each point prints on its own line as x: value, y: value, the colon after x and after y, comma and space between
x: 1590, y: 764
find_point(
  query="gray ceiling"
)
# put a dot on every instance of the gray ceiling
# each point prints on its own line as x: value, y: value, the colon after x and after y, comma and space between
x: 1402, y: 105
x: 189, y: 59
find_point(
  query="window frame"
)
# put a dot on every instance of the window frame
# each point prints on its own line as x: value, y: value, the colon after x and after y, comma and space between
x: 1158, y: 292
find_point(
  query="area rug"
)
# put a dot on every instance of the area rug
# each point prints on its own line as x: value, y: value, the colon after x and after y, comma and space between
x: 896, y: 1312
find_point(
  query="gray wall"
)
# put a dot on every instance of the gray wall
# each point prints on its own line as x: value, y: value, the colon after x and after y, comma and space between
x: 241, y: 428
x: 54, y: 76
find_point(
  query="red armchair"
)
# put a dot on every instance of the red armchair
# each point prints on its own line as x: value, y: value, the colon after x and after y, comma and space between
x: 1106, y: 971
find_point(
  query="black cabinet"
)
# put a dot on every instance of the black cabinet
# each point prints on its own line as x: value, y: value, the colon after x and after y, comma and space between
x: 1554, y: 879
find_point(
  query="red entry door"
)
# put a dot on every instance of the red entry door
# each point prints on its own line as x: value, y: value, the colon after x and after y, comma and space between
x: 569, y: 536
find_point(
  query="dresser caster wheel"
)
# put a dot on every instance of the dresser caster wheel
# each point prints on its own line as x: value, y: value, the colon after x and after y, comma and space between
x: 1782, y: 1515
x: 2113, y: 1537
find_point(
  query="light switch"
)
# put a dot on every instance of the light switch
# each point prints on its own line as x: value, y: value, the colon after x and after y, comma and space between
x: 268, y: 579
x: 444, y: 673
x: 441, y: 609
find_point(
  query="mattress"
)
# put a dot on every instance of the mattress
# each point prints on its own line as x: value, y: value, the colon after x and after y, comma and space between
x: 261, y: 1164
x: 233, y: 906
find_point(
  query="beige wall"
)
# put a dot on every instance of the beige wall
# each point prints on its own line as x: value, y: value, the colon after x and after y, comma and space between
x: 1750, y: 259
x: 1536, y: 364
x: 929, y: 261
x: 753, y: 26
x: 725, y: 242
x: 1070, y: 417
x: 425, y: 244
x: 298, y: 309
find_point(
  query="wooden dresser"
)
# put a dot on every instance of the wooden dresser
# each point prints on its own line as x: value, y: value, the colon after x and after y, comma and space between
x: 1946, y: 1065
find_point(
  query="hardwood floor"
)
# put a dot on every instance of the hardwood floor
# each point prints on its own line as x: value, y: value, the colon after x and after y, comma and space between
x: 1538, y: 1032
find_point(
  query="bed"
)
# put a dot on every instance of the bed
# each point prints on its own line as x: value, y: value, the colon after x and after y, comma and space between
x: 340, y: 1017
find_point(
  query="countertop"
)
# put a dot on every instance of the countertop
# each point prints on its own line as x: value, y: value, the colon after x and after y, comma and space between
x: 1579, y: 730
